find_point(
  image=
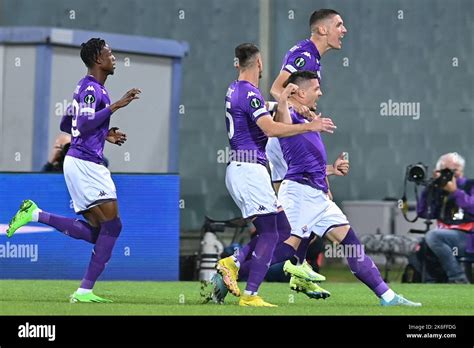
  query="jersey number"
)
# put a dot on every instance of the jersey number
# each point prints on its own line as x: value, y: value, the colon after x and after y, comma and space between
x: 230, y: 132
x: 75, y: 109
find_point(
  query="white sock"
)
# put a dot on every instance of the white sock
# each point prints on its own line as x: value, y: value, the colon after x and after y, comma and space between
x: 388, y: 295
x: 250, y: 293
x: 82, y: 291
x: 35, y: 215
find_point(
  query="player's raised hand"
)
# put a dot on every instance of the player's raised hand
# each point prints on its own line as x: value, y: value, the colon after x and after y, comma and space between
x: 322, y: 124
x: 126, y: 99
x: 289, y: 90
x: 341, y: 166
x: 116, y: 137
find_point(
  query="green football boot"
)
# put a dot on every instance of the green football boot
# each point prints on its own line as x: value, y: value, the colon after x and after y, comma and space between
x: 22, y: 216
x: 310, y: 289
x: 303, y: 271
x: 88, y: 298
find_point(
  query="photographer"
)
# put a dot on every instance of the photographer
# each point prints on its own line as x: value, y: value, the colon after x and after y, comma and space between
x: 452, y: 204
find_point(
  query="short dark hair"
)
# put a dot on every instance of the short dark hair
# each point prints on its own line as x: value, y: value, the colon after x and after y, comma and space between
x: 90, y: 51
x: 245, y: 52
x: 320, y: 15
x: 299, y: 77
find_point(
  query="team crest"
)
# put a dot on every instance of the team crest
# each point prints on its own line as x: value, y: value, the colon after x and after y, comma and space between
x: 300, y: 62
x: 89, y: 99
x: 255, y: 103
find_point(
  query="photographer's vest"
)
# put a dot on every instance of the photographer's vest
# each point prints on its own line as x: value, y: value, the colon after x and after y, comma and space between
x: 453, y: 217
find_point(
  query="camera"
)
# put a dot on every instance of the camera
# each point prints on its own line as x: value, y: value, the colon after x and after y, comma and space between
x: 417, y: 173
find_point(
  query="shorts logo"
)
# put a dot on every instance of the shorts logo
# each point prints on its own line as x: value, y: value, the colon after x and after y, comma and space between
x: 102, y: 194
x: 255, y: 103
x: 300, y: 62
x: 261, y: 208
x: 89, y: 99
x: 304, y: 229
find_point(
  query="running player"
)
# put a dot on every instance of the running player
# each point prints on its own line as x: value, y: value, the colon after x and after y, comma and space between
x: 248, y: 125
x: 88, y: 181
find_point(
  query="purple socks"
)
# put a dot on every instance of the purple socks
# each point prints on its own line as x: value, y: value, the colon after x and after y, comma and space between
x: 302, y: 249
x: 109, y: 232
x: 103, y: 238
x: 362, y: 265
x: 71, y: 227
x: 282, y: 250
x: 262, y: 254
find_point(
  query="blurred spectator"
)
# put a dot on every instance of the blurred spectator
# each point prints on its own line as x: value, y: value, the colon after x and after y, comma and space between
x: 56, y: 157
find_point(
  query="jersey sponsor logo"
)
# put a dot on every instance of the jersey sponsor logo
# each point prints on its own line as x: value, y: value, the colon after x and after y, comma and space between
x: 300, y: 62
x: 255, y: 103
x: 90, y: 88
x: 251, y: 94
x: 307, y: 54
x: 89, y: 99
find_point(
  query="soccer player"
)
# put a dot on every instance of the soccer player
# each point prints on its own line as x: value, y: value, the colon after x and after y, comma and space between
x: 303, y: 193
x: 249, y: 125
x: 327, y: 30
x: 88, y: 181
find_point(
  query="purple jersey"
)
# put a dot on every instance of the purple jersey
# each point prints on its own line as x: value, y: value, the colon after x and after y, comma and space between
x: 303, y: 56
x: 305, y: 155
x: 90, y: 120
x: 244, y: 106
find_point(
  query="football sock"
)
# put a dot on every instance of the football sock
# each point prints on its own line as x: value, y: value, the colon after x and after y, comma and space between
x: 109, y: 232
x: 71, y: 227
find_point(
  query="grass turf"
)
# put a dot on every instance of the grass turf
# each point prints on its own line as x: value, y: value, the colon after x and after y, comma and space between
x: 50, y: 297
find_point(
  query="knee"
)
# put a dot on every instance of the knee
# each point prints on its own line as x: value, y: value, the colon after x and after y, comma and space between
x: 112, y: 227
x: 432, y: 238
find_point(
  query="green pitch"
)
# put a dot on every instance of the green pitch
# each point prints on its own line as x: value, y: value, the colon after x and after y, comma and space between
x: 51, y: 297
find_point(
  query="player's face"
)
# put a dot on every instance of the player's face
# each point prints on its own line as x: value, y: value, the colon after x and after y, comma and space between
x: 107, y: 60
x: 336, y: 32
x: 311, y: 93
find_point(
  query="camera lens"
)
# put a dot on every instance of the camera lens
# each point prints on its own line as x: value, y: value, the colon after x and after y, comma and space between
x: 416, y: 173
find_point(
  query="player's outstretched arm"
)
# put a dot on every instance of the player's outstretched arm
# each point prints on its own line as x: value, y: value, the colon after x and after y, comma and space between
x: 282, y: 130
x: 126, y: 99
